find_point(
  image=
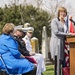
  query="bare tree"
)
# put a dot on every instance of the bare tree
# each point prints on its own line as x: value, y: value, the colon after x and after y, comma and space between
x: 49, y: 5
x: 52, y: 5
x: 70, y: 9
x: 39, y: 3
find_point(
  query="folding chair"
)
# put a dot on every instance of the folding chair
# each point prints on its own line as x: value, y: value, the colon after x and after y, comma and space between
x: 5, y: 70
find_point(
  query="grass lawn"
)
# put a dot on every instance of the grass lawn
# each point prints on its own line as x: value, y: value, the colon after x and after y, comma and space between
x: 49, y: 70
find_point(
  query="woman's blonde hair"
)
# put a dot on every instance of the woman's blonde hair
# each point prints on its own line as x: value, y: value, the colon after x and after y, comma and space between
x: 62, y: 9
x: 9, y: 27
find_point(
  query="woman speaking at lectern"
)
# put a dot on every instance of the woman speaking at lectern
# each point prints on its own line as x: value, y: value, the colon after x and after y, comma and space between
x: 58, y: 35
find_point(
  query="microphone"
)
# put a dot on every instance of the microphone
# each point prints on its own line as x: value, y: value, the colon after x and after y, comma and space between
x: 72, y: 20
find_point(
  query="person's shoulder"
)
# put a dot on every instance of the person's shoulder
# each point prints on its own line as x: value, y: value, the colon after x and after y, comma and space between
x: 3, y: 36
x: 55, y: 19
x: 26, y: 38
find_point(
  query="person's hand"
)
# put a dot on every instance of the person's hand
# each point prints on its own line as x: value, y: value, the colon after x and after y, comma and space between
x: 32, y: 53
x: 72, y: 34
x: 22, y: 56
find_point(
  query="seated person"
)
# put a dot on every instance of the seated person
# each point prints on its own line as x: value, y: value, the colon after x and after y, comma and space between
x: 38, y: 57
x: 15, y: 62
x: 18, y: 35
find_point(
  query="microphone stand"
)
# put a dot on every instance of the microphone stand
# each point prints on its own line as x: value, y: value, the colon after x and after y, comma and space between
x: 72, y: 21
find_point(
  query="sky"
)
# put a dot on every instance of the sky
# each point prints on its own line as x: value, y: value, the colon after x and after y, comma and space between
x: 2, y: 2
x: 68, y: 2
x: 72, y: 2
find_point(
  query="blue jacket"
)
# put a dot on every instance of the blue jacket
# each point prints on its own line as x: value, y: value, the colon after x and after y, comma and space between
x: 11, y: 56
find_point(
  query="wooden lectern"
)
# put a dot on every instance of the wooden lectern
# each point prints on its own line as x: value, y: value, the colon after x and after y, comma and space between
x: 71, y: 40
